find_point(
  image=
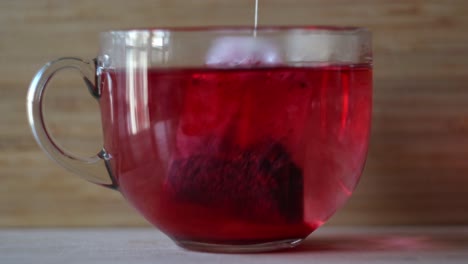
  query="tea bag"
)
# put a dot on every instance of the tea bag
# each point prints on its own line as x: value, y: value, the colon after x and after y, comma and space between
x: 259, y: 184
x: 243, y: 51
x: 231, y: 153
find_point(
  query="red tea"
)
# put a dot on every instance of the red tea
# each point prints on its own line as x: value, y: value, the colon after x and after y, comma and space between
x: 237, y: 155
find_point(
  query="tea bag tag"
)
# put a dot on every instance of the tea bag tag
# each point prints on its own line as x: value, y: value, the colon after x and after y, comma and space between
x: 243, y: 51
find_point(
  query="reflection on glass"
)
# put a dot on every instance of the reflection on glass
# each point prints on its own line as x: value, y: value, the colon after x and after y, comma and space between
x: 137, y: 89
x: 160, y: 46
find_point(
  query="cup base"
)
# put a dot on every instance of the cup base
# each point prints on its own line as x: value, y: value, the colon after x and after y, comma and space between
x: 249, y: 248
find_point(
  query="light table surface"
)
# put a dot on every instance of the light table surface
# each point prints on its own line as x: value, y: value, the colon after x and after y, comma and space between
x: 146, y: 245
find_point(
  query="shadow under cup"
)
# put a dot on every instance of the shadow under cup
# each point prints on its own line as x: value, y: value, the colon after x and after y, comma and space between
x: 228, y: 141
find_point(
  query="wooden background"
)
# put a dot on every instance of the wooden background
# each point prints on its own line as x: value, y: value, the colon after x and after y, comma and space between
x: 417, y: 170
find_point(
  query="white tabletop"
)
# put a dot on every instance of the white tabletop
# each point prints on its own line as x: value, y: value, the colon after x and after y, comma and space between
x: 327, y: 245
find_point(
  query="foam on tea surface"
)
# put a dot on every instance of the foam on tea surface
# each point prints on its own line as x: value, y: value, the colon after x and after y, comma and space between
x: 243, y: 51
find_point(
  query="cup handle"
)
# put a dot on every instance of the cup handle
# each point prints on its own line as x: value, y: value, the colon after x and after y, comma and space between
x: 88, y: 168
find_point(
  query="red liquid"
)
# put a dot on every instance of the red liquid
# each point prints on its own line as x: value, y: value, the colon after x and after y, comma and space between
x: 238, y: 155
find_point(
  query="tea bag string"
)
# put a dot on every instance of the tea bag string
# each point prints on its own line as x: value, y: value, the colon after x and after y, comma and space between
x: 255, y: 18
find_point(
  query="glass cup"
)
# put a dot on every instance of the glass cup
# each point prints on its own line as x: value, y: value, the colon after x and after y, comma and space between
x: 226, y: 139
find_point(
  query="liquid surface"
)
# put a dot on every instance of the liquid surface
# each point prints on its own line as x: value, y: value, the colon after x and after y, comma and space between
x: 237, y: 155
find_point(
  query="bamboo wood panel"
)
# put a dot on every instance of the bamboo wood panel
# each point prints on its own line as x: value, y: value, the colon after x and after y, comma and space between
x: 417, y: 170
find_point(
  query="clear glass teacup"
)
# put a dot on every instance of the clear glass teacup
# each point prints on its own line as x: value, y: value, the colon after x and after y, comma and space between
x: 223, y: 139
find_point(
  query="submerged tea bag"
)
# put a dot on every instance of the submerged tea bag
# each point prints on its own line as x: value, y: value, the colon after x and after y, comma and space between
x: 238, y: 121
x: 260, y: 183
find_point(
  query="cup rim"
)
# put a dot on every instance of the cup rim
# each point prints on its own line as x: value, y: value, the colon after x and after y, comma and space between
x: 334, y: 29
